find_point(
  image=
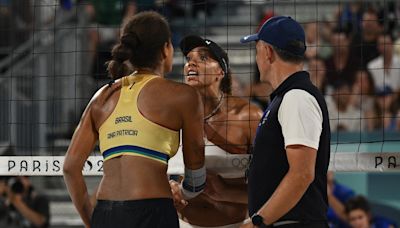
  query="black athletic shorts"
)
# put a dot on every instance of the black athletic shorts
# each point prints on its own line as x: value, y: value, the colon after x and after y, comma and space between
x: 146, y: 213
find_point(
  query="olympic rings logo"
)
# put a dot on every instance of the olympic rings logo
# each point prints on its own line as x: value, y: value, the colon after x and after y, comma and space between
x: 240, y: 163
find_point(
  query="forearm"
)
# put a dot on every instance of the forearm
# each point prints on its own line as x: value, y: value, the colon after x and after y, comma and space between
x: 79, y: 195
x: 286, y: 196
x: 34, y: 217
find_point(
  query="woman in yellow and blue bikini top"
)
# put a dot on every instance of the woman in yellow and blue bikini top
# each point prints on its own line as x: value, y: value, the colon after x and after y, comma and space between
x: 137, y: 120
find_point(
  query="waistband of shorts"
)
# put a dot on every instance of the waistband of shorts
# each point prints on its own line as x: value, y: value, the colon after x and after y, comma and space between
x: 184, y: 224
x: 283, y: 223
x: 292, y: 222
x: 153, y: 202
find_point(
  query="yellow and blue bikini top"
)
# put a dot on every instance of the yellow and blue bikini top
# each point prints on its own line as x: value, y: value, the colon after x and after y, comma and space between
x: 127, y: 132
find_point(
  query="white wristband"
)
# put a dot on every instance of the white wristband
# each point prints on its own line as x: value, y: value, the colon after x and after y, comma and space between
x: 194, y: 182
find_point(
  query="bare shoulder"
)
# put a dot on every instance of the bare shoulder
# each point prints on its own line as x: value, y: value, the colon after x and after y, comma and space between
x: 253, y: 112
x: 245, y: 109
x: 102, y: 95
x: 177, y: 86
x: 179, y: 91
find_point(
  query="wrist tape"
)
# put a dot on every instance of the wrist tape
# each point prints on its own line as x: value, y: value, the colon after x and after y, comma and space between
x: 194, y: 182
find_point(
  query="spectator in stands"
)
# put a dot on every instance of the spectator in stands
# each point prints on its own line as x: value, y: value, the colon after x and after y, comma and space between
x: 315, y: 45
x: 316, y: 68
x: 363, y: 91
x: 170, y: 9
x: 326, y: 29
x: 338, y: 195
x: 364, y: 44
x: 107, y: 17
x: 341, y: 65
x: 385, y: 114
x: 202, y: 6
x: 396, y: 46
x: 349, y: 17
x: 22, y: 206
x: 145, y: 5
x: 312, y: 41
x: 359, y: 215
x: 387, y: 12
x: 265, y: 15
x: 385, y: 68
x: 343, y: 116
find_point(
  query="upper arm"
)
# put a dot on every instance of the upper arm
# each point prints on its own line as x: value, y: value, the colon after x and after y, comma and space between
x: 192, y: 129
x: 301, y: 119
x: 82, y: 142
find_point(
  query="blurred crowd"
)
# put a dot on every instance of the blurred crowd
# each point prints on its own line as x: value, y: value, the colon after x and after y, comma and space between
x: 354, y: 59
x: 355, y: 62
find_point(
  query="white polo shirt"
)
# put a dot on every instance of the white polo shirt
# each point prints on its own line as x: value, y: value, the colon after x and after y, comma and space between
x: 300, y: 118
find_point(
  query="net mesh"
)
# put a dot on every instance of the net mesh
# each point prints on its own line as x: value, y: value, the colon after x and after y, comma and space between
x: 52, y: 57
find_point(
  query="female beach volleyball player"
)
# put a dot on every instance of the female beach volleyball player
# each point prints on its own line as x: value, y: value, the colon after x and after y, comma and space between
x: 230, y: 124
x: 137, y: 120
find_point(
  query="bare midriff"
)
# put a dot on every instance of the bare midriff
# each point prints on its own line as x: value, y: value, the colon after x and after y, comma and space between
x: 133, y: 178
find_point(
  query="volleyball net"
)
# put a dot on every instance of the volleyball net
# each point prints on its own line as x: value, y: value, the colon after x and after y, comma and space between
x: 53, y: 53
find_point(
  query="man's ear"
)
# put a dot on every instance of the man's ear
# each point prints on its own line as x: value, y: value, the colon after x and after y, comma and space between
x: 271, y: 55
